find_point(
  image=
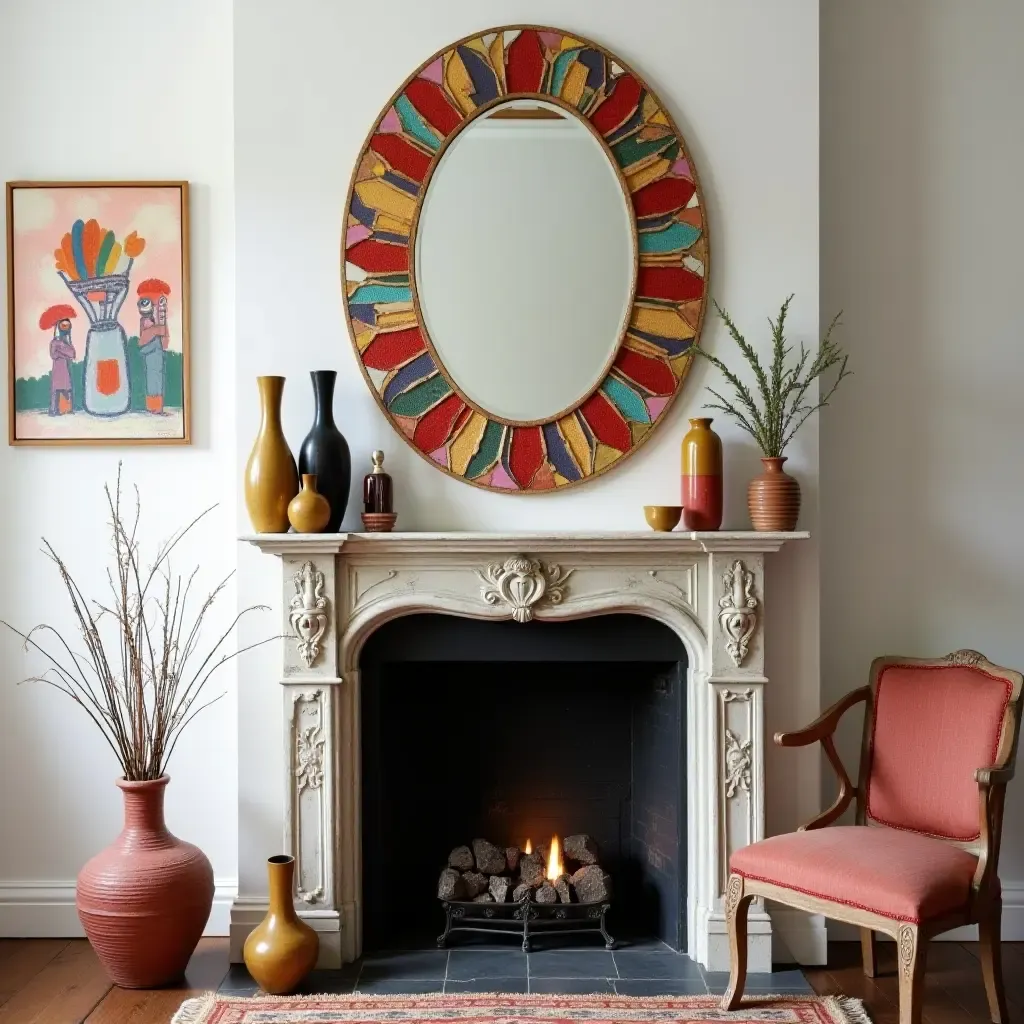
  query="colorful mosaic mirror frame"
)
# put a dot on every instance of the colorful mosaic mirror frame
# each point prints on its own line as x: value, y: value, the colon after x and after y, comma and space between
x: 391, y: 177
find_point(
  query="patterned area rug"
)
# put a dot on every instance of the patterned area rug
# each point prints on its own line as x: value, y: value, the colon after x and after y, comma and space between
x: 517, y: 1009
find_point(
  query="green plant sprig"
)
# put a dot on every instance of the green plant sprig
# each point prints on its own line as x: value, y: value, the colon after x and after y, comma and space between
x: 783, y: 407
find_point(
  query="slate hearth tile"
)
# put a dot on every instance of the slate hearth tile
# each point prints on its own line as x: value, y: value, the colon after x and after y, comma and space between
x: 644, y: 944
x: 337, y: 982
x: 424, y: 963
x: 571, y: 986
x: 469, y: 964
x: 781, y: 982
x: 590, y: 963
x: 378, y: 986
x: 486, y: 985
x: 238, y: 982
x: 652, y: 964
x: 660, y: 987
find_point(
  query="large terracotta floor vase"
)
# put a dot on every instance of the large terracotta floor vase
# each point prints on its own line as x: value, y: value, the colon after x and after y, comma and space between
x: 145, y: 900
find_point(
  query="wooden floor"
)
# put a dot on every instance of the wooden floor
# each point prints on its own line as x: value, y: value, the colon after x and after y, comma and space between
x: 56, y: 981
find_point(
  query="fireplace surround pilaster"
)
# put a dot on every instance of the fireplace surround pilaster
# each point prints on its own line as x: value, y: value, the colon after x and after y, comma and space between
x: 709, y: 588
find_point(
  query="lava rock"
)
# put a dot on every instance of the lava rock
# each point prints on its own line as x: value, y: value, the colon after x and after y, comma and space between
x: 531, y: 868
x: 475, y: 883
x: 450, y: 885
x: 563, y: 888
x: 546, y: 894
x: 499, y: 887
x: 484, y: 897
x: 512, y: 854
x: 522, y: 892
x: 581, y: 849
x: 591, y: 884
x: 461, y: 858
x: 489, y: 859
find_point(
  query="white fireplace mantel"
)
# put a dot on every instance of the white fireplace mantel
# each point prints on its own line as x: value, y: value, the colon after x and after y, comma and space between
x: 709, y: 588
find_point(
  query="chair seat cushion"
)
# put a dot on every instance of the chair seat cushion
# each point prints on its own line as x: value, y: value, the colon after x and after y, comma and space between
x: 900, y: 875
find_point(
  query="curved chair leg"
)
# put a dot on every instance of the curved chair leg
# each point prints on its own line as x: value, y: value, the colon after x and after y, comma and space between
x: 868, y: 953
x: 737, y: 903
x: 911, y: 954
x: 989, y: 932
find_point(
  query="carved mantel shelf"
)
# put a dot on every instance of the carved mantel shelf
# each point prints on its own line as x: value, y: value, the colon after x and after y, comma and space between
x: 338, y: 588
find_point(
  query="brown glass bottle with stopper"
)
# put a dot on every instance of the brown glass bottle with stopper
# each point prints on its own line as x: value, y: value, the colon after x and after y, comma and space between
x: 378, y: 498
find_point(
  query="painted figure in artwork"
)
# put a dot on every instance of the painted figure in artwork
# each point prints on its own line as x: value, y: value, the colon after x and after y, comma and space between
x: 62, y: 353
x: 154, y: 337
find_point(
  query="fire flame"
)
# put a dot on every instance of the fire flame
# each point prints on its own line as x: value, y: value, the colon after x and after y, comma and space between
x: 555, y: 860
x: 528, y: 848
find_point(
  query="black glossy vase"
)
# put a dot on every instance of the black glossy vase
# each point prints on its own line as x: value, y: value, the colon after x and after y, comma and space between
x: 325, y: 452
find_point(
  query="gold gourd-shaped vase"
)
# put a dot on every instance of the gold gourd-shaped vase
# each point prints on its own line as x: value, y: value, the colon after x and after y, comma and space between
x: 271, y: 479
x: 309, y: 511
x: 282, y: 949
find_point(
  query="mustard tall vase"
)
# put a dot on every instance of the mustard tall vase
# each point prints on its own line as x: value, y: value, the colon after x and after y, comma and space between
x: 271, y: 479
x: 282, y: 949
x: 701, y: 496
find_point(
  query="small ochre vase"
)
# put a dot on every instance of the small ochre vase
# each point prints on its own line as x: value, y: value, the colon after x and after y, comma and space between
x: 773, y: 498
x: 701, y: 477
x: 271, y: 479
x: 309, y: 511
x: 282, y: 949
x: 145, y: 899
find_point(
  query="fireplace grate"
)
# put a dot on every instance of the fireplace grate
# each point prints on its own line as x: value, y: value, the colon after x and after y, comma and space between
x: 527, y: 918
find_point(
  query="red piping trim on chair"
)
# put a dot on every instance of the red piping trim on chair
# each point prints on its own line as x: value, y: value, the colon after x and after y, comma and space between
x: 828, y: 899
x: 992, y: 759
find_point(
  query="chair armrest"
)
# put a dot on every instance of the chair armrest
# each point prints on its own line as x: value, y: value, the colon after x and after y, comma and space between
x: 991, y: 795
x: 826, y: 724
x: 821, y: 731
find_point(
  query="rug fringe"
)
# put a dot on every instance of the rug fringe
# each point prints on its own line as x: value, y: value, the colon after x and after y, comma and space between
x: 853, y: 1010
x: 193, y: 1011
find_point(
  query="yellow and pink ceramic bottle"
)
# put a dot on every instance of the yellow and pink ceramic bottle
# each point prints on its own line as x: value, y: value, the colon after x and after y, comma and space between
x: 701, y: 477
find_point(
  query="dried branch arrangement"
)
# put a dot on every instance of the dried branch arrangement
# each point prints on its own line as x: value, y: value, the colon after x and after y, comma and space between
x: 142, y: 677
x: 784, y: 406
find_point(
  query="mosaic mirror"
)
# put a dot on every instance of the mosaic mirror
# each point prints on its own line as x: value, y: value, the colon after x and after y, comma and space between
x: 525, y: 258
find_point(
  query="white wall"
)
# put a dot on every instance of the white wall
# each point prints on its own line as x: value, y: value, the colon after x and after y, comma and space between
x: 741, y: 79
x: 163, y: 71
x: 921, y: 470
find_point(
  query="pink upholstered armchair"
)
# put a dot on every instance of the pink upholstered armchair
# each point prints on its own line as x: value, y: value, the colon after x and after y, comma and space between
x: 939, y: 744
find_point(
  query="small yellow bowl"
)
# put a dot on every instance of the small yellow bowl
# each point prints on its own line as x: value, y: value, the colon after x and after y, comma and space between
x: 663, y: 517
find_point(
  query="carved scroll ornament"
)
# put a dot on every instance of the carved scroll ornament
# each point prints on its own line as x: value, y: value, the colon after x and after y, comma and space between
x: 738, y: 763
x: 308, y: 615
x: 521, y: 582
x: 738, y: 610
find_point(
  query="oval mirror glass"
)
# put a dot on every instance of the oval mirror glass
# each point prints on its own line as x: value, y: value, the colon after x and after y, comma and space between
x: 525, y: 261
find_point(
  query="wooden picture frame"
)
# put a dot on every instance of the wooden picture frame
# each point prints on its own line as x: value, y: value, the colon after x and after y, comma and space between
x: 84, y: 367
x: 399, y: 361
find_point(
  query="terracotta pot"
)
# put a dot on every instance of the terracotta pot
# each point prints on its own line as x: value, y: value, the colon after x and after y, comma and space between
x: 773, y: 498
x: 282, y: 949
x: 145, y: 900
x: 309, y: 511
x: 702, y: 477
x: 271, y: 479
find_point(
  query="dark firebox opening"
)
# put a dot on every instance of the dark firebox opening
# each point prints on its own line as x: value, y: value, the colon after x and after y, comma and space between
x: 509, y: 731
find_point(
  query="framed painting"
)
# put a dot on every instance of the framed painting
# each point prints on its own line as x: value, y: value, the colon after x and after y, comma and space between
x: 98, y: 313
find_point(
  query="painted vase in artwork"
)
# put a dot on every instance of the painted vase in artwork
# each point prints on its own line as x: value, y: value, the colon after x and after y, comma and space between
x: 773, y: 498
x: 325, y: 452
x: 309, y: 511
x: 282, y: 949
x: 145, y: 900
x: 701, y: 477
x: 271, y: 480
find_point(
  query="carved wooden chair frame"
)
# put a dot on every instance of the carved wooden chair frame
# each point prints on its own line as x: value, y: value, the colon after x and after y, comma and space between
x: 985, y: 905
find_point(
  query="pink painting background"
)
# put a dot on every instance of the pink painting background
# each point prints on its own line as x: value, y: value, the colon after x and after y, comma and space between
x: 43, y: 215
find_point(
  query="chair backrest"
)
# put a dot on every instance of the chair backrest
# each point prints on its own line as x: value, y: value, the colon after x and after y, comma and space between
x: 931, y: 724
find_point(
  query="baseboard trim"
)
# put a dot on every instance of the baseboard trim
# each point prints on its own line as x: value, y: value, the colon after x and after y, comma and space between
x: 1013, y: 922
x: 798, y: 937
x: 46, y: 910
